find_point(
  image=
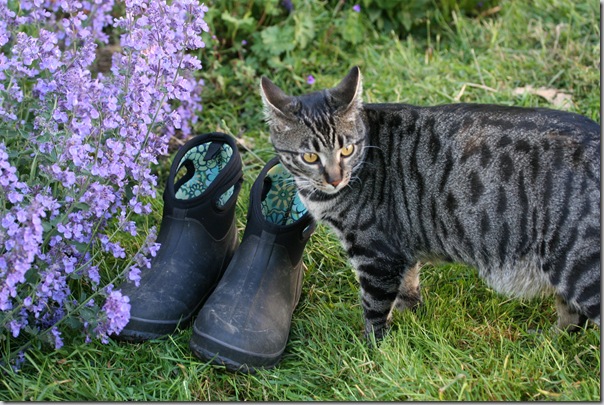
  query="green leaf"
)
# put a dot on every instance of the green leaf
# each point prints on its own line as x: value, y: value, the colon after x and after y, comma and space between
x: 278, y: 40
x: 407, y: 20
x: 73, y: 323
x: 81, y: 247
x: 89, y: 314
x: 47, y: 226
x: 304, y: 30
x: 82, y: 206
x: 245, y: 24
x: 75, y: 276
x: 351, y: 29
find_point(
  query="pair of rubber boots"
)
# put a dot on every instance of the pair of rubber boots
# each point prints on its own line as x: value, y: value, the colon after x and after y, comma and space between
x: 247, y: 292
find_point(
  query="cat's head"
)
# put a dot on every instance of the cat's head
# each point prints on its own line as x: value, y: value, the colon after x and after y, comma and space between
x: 319, y: 136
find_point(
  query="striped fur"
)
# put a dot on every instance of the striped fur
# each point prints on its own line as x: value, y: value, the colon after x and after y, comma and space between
x: 513, y: 192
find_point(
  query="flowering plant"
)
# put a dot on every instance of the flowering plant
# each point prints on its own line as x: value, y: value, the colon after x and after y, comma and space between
x: 76, y: 149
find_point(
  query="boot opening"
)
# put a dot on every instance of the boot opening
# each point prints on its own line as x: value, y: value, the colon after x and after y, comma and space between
x: 198, y: 169
x: 281, y: 203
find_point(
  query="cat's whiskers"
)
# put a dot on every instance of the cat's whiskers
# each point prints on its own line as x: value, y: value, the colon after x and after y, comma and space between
x: 289, y: 181
x: 371, y: 147
x: 310, y: 187
x: 357, y: 167
x: 305, y: 184
x: 353, y: 179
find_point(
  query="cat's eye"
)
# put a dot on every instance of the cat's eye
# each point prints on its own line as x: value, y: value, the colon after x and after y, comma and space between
x: 347, y: 150
x: 310, y: 157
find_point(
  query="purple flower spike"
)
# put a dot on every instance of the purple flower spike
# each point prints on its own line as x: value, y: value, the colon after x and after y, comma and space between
x: 117, y: 315
x: 75, y: 180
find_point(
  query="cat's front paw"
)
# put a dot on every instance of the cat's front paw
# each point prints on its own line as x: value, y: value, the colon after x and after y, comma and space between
x: 373, y: 334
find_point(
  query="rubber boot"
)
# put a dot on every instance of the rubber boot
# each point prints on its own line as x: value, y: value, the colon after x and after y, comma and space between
x: 245, y: 323
x: 198, y: 237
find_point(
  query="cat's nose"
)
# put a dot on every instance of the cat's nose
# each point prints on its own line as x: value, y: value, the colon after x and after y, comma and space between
x: 335, y: 182
x: 333, y: 177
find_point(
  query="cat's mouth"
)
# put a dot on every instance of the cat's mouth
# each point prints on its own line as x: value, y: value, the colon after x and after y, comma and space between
x: 323, y: 187
x: 332, y: 188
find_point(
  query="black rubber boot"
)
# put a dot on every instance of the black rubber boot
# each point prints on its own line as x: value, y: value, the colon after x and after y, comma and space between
x: 245, y: 323
x: 198, y: 237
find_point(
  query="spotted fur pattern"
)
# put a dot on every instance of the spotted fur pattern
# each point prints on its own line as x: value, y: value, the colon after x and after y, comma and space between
x: 513, y: 192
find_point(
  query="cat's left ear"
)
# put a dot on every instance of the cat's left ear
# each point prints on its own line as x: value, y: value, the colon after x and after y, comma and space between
x: 347, y: 94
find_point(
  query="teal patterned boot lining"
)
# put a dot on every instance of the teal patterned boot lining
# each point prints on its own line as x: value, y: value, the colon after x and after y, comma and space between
x: 282, y: 204
x: 204, y: 171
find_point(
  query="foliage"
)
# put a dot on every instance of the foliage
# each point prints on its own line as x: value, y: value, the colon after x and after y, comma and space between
x: 76, y: 150
x: 415, y: 16
x: 269, y: 33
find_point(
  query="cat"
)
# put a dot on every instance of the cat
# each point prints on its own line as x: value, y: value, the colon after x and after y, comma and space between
x: 513, y: 192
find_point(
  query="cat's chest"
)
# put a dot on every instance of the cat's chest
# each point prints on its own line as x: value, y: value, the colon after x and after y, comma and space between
x: 318, y: 209
x: 324, y: 211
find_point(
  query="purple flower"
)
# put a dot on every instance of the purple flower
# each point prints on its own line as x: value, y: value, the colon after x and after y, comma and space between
x: 15, y: 328
x: 19, y: 360
x: 117, y: 315
x: 288, y: 5
x: 134, y: 275
x: 58, y: 341
x: 356, y: 8
x: 310, y: 79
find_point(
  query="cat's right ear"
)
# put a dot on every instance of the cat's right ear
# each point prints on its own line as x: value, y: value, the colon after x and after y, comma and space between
x: 275, y: 100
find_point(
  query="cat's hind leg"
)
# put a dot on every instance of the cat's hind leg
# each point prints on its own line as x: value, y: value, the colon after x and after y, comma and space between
x: 409, y: 295
x: 569, y: 317
x: 578, y: 295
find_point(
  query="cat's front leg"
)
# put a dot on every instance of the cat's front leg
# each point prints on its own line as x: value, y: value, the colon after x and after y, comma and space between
x: 380, y: 281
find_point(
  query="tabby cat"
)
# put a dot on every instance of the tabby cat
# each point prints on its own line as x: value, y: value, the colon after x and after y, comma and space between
x: 513, y: 192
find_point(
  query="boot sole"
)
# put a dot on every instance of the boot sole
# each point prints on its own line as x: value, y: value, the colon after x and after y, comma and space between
x: 219, y: 353
x: 160, y: 329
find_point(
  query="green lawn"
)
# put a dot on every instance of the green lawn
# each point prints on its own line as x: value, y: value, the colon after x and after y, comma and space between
x: 467, y: 342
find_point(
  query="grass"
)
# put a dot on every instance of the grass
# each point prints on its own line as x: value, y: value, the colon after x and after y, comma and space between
x: 467, y: 342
